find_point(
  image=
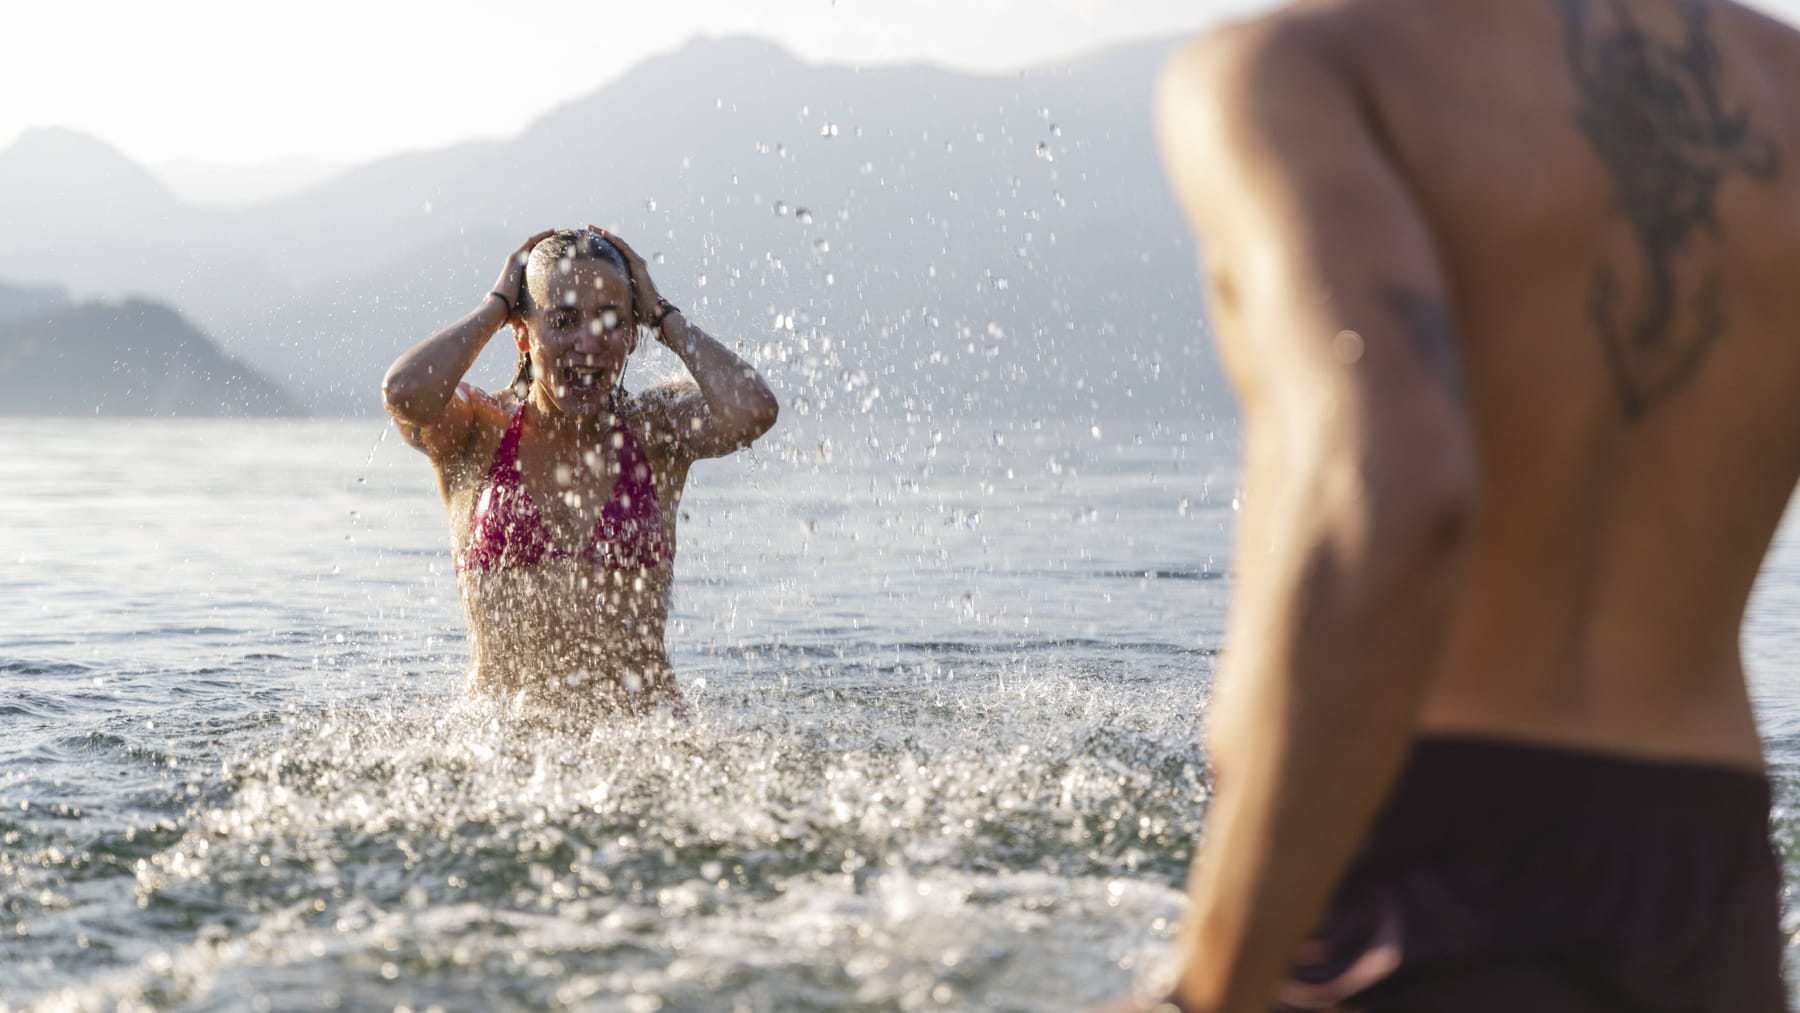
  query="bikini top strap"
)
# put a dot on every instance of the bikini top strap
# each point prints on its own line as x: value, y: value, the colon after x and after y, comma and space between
x: 634, y: 466
x: 506, y: 456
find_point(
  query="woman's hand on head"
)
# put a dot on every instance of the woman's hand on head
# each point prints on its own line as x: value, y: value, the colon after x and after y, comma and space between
x: 647, y: 296
x: 511, y: 285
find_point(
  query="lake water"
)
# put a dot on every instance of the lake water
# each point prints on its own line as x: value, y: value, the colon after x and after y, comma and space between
x: 949, y: 686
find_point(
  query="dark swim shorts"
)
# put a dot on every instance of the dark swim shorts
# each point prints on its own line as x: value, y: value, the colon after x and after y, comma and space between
x: 1511, y: 878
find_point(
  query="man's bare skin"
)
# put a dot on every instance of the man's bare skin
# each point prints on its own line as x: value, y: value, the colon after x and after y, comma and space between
x: 1507, y: 288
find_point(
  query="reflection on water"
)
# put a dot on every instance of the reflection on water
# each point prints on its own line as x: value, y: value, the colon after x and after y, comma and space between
x: 947, y: 755
x: 947, y: 752
x: 918, y: 844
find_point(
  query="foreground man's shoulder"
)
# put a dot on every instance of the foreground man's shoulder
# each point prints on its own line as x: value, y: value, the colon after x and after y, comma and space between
x: 1290, y: 63
x: 1256, y: 102
x: 1310, y: 31
x: 1242, y: 49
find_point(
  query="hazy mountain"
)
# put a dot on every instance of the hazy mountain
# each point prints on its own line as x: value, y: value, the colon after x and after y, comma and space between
x: 204, y: 184
x: 958, y: 242
x: 60, y: 186
x: 75, y: 212
x: 24, y: 302
x: 126, y: 359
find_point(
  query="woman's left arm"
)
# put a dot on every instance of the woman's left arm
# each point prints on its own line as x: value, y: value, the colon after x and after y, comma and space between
x: 732, y: 405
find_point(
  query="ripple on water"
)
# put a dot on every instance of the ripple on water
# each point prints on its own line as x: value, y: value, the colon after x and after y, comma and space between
x: 1009, y: 846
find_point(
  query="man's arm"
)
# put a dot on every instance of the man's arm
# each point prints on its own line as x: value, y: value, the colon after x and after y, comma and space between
x: 1361, y: 477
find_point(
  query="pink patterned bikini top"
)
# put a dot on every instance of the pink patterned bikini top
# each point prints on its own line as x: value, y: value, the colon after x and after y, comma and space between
x: 508, y: 530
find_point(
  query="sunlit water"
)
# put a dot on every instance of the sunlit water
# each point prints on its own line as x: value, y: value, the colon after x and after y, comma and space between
x: 949, y: 686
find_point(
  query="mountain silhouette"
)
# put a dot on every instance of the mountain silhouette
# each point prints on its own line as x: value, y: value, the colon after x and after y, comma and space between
x: 896, y: 238
x: 134, y: 358
x: 18, y: 302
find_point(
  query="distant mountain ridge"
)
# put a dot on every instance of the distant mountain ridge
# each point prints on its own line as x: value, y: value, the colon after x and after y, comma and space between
x: 949, y: 240
x: 134, y: 358
x: 18, y: 302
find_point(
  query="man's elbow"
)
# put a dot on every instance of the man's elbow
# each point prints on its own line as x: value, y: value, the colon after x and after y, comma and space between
x: 1424, y: 516
x: 1444, y: 518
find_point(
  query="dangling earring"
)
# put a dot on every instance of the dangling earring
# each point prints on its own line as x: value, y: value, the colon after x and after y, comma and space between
x: 521, y: 381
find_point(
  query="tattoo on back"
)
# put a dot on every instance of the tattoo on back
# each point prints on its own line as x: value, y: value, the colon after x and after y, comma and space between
x: 1653, y: 112
x: 1433, y: 337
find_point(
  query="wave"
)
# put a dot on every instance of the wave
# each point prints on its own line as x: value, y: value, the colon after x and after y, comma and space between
x: 952, y: 845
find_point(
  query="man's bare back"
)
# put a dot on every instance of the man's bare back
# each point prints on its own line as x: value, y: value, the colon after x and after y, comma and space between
x: 1505, y: 286
x: 1616, y: 198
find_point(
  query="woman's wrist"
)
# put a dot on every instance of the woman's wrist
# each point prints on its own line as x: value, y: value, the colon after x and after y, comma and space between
x: 664, y: 309
x: 671, y: 328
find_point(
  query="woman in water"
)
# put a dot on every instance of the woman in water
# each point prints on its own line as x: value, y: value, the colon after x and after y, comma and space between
x: 563, y: 490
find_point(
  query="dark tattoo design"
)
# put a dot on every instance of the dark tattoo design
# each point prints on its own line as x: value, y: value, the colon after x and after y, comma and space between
x: 1652, y: 111
x: 1433, y: 337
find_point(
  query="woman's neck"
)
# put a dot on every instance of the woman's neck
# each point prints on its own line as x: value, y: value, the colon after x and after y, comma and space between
x: 551, y: 422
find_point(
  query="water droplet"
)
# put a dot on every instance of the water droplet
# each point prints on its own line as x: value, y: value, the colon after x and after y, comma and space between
x: 781, y: 207
x: 822, y: 245
x: 804, y: 215
x: 650, y: 205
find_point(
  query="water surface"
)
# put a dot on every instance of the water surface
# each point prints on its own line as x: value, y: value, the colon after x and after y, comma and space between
x: 950, y: 684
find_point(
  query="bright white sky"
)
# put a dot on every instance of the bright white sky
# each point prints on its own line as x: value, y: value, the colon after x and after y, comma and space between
x: 234, y: 83
x: 231, y: 82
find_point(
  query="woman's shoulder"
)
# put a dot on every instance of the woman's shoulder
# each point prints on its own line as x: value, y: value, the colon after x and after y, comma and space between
x: 662, y: 391
x: 653, y: 403
x: 506, y: 399
x: 652, y: 413
x: 489, y: 413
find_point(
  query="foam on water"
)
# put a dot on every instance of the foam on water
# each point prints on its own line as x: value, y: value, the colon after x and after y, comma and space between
x: 931, y: 844
x: 947, y: 752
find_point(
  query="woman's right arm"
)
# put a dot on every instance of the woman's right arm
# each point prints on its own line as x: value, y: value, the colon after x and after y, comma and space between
x: 420, y: 389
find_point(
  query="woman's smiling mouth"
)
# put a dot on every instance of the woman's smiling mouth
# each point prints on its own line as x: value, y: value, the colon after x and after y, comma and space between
x: 583, y: 378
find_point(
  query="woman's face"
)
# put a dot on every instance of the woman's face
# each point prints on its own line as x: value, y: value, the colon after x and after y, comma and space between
x: 579, y: 333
